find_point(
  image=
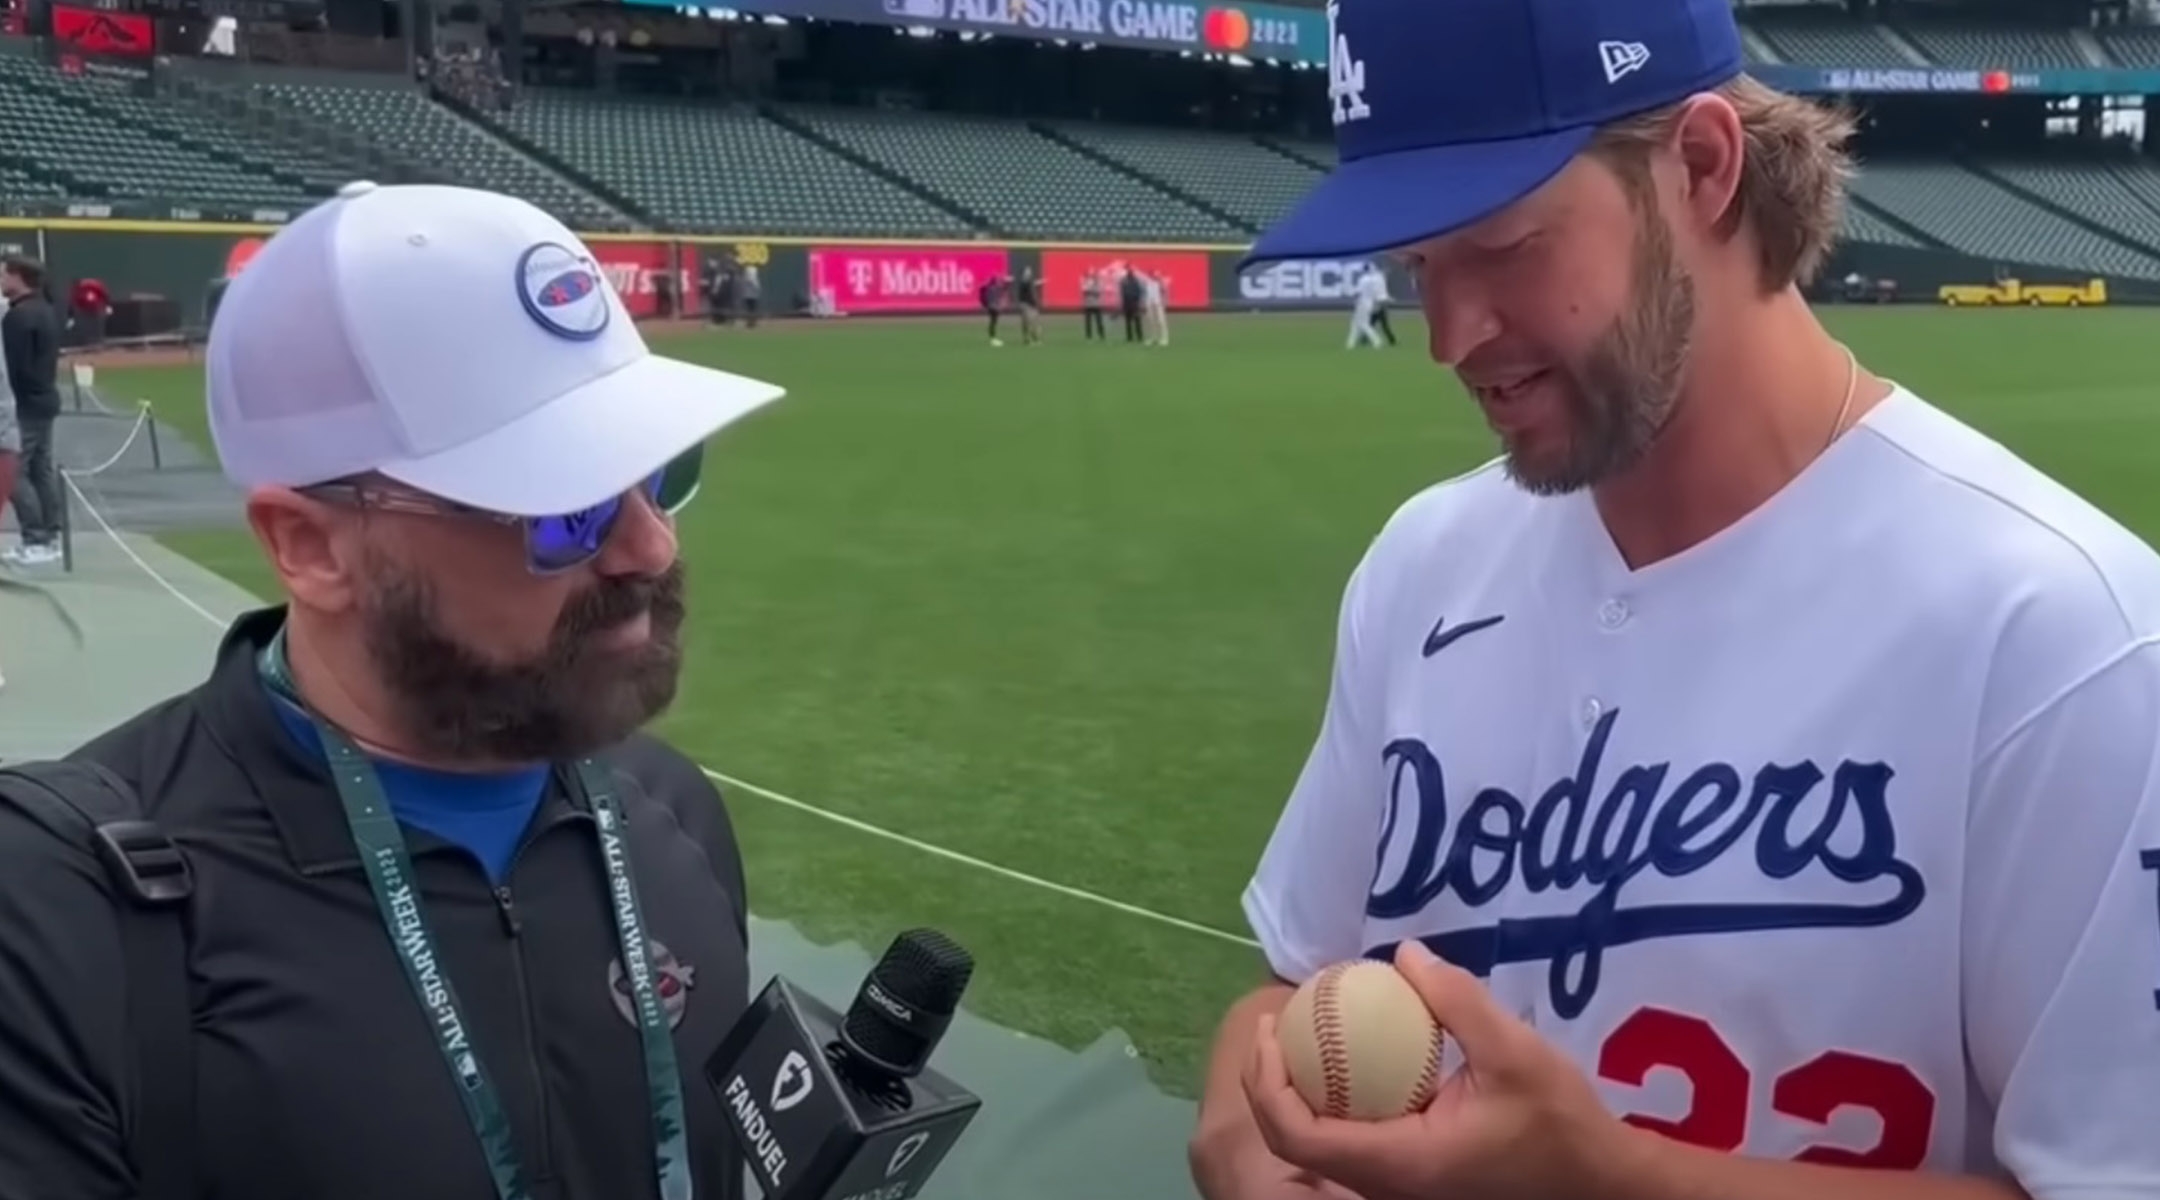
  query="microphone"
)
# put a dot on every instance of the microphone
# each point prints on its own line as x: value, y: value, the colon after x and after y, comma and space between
x: 833, y: 1107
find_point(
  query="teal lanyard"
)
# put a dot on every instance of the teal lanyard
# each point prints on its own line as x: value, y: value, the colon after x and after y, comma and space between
x: 390, y: 874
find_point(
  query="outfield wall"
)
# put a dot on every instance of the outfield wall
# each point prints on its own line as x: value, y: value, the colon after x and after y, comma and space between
x: 179, y: 261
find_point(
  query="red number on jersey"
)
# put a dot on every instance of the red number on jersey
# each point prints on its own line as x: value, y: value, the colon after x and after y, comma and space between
x: 1717, y: 1115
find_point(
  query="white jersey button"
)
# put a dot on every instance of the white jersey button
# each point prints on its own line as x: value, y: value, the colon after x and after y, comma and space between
x: 1592, y: 709
x: 1613, y: 613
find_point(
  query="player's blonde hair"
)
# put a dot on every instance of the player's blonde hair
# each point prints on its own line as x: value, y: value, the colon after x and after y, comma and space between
x: 1793, y: 172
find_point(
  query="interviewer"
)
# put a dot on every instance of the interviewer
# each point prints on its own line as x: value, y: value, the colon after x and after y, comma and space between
x: 457, y: 930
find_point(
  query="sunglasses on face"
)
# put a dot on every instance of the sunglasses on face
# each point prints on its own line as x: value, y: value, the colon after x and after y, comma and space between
x: 552, y: 544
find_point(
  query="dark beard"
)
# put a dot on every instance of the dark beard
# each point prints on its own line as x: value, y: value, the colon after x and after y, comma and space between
x: 562, y: 704
x: 1625, y: 390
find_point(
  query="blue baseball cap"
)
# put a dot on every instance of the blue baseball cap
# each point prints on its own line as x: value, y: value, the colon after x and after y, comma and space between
x: 1447, y: 111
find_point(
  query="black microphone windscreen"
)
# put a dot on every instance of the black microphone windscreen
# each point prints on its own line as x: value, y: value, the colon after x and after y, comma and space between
x: 907, y: 1001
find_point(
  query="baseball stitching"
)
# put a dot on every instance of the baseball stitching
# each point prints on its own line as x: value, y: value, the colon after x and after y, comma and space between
x: 1428, y: 1083
x: 1334, y: 1054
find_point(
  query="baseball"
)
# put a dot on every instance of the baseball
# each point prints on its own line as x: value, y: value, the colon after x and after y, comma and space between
x: 1359, y: 1044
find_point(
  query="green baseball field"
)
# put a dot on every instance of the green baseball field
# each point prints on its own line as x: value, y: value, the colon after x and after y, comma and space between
x: 1028, y: 643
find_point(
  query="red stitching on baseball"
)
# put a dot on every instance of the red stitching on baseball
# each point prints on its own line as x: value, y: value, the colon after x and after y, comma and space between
x: 1429, y: 1083
x: 1334, y: 1053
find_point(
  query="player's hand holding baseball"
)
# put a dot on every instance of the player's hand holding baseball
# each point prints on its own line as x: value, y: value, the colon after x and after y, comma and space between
x: 1519, y: 1120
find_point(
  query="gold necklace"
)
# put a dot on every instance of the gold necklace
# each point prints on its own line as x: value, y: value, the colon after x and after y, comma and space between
x: 1852, y: 388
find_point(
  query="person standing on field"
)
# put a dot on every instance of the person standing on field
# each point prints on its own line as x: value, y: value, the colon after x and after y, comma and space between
x: 1131, y: 294
x: 30, y: 333
x: 401, y: 900
x: 1027, y: 297
x: 1368, y: 312
x: 10, y: 436
x: 1154, y: 289
x: 1754, y: 769
x: 1091, y: 318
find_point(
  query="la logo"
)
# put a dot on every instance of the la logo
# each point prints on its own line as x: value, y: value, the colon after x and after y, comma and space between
x: 1346, y: 75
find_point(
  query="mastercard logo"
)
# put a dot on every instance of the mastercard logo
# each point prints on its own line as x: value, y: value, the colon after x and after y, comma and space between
x: 1226, y: 29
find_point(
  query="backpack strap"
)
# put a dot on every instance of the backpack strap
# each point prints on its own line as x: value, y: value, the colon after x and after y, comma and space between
x: 90, y: 806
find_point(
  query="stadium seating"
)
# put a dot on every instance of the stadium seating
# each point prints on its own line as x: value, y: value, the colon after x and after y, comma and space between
x: 1971, y: 214
x: 406, y: 118
x: 2120, y: 198
x: 1860, y: 225
x: 1242, y: 177
x: 1967, y: 46
x: 1023, y: 183
x: 308, y: 172
x: 698, y: 167
x: 1320, y: 154
x: 111, y: 151
x: 1833, y: 42
x: 2135, y: 47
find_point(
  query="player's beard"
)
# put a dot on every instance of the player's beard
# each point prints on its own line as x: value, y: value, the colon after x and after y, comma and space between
x: 1620, y: 395
x: 570, y: 699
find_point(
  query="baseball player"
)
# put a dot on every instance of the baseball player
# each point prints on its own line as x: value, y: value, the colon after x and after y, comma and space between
x: 1155, y: 302
x: 1368, y: 311
x: 1753, y: 767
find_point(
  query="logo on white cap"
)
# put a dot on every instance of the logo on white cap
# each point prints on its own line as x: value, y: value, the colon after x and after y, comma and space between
x: 563, y: 292
x: 1622, y: 58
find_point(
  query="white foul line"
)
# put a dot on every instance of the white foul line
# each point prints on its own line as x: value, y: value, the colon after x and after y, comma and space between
x: 1047, y: 885
x: 804, y: 806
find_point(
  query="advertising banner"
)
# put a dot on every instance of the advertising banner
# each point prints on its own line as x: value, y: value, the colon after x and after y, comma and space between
x: 1978, y: 81
x: 894, y: 279
x: 1184, y: 274
x: 106, y: 34
x: 1255, y: 30
x: 1309, y: 283
x: 638, y: 271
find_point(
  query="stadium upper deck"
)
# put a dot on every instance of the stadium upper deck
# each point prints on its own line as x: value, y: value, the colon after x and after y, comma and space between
x: 219, y: 134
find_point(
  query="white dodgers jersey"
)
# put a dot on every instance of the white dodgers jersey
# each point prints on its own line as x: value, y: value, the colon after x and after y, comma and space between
x: 1834, y: 837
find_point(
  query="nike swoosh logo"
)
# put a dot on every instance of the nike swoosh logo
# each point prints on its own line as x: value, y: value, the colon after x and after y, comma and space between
x: 1443, y: 635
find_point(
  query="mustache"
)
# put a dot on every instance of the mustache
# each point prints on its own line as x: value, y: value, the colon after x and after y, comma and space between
x: 611, y: 602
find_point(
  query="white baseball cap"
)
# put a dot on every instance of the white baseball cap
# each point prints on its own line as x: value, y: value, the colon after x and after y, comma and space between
x: 459, y: 341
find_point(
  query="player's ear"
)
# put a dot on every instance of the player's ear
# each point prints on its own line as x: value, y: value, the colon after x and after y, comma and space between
x: 1711, y: 146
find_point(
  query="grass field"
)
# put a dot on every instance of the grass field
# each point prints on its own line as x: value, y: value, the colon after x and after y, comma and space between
x: 1068, y: 609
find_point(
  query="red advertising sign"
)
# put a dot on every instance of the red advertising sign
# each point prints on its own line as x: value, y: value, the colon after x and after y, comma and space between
x: 635, y: 267
x: 1184, y: 274
x: 114, y: 34
x: 870, y: 279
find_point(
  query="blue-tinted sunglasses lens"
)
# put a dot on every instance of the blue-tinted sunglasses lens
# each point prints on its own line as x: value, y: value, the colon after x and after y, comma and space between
x: 559, y: 543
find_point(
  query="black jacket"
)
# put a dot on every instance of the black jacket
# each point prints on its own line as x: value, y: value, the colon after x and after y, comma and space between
x: 317, y: 1073
x: 30, y: 333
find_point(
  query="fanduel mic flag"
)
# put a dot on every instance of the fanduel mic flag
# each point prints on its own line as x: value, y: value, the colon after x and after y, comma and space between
x: 827, y: 1107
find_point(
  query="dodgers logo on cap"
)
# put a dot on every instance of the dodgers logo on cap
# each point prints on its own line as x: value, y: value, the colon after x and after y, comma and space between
x: 563, y: 292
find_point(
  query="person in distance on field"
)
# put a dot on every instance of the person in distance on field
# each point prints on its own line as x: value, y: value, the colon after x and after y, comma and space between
x: 1756, y: 769
x: 458, y: 931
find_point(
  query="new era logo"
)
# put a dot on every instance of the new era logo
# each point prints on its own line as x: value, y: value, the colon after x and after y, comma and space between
x: 1622, y: 58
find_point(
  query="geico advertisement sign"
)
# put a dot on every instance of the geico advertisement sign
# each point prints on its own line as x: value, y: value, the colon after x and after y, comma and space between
x: 1333, y: 281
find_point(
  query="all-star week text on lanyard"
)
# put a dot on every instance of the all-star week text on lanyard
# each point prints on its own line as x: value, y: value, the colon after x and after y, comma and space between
x: 390, y: 875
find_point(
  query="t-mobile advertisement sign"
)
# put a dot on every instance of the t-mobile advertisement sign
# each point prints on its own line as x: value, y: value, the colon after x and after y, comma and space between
x: 1310, y: 283
x: 894, y: 279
